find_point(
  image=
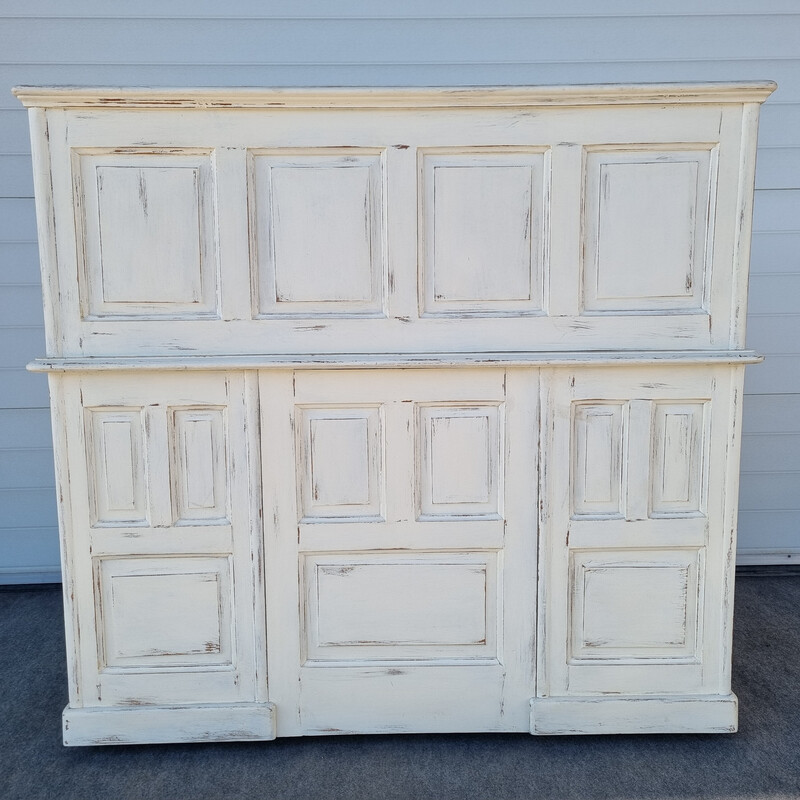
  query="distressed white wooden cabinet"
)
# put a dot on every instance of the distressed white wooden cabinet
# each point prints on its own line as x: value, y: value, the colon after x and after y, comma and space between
x: 396, y: 410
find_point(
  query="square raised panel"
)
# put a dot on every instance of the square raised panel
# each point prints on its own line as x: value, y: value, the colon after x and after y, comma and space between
x: 483, y: 230
x: 317, y: 232
x: 164, y: 611
x: 648, y: 215
x: 199, y: 466
x: 116, y: 463
x: 459, y: 461
x: 597, y: 458
x: 634, y: 605
x: 678, y: 467
x: 387, y: 607
x: 340, y: 463
x: 147, y: 238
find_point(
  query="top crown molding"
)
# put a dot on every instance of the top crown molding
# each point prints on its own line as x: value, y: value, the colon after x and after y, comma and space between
x: 379, y: 97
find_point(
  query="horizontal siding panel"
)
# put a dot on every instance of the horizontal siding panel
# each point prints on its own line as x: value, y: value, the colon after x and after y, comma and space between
x: 29, y: 547
x: 369, y: 8
x: 20, y: 263
x: 771, y: 452
x: 779, y: 124
x: 333, y: 41
x: 25, y: 427
x: 771, y: 413
x: 779, y: 374
x: 776, y: 492
x: 22, y: 389
x: 411, y: 74
x: 17, y: 220
x: 775, y: 252
x: 21, y: 305
x: 778, y: 168
x: 14, y: 137
x: 776, y: 210
x: 775, y: 294
x: 21, y: 508
x: 18, y: 346
x: 16, y: 176
x: 760, y: 530
x: 769, y: 334
x: 26, y: 469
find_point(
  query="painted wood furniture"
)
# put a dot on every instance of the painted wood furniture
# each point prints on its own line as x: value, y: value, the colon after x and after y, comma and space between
x: 386, y: 410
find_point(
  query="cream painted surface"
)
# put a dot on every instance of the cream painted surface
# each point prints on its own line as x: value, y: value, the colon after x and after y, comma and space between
x: 423, y: 593
x: 437, y: 426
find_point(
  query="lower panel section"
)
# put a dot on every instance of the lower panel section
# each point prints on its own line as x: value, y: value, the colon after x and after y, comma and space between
x: 407, y: 699
x: 677, y: 714
x: 158, y: 724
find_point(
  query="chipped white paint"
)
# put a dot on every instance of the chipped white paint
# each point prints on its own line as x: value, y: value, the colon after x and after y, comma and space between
x: 314, y: 477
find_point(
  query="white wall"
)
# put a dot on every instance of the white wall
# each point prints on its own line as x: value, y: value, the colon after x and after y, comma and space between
x: 415, y: 42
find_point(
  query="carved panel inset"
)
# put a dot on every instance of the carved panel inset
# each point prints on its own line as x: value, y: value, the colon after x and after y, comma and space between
x: 459, y: 461
x: 634, y: 605
x: 678, y: 459
x: 198, y: 465
x: 597, y: 459
x: 115, y: 459
x: 482, y: 231
x: 317, y: 232
x: 378, y: 607
x: 146, y: 234
x: 648, y: 215
x: 164, y: 611
x: 340, y: 463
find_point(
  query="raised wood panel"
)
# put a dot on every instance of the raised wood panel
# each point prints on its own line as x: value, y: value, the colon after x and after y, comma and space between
x: 366, y: 607
x: 340, y: 463
x: 199, y: 465
x: 146, y: 233
x: 318, y: 241
x: 474, y: 259
x: 647, y: 226
x: 597, y: 460
x: 164, y: 612
x: 634, y: 605
x: 460, y: 465
x: 117, y: 466
x: 678, y: 463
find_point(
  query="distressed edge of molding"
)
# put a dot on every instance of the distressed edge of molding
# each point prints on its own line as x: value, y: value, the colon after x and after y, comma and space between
x: 377, y: 361
x: 237, y: 722
x: 664, y: 714
x: 400, y: 97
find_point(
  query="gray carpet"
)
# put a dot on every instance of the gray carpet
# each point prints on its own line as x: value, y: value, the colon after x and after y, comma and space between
x: 761, y: 761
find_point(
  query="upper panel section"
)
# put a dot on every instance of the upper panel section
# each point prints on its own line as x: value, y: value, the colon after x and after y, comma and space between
x: 394, y: 221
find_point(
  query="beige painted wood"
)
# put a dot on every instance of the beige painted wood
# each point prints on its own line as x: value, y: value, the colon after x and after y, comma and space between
x: 421, y: 211
x: 409, y: 582
x: 395, y: 410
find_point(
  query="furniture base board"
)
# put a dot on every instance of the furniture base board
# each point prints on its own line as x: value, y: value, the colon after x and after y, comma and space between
x: 665, y: 714
x: 157, y: 724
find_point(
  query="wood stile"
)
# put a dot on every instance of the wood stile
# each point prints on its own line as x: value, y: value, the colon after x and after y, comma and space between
x: 420, y: 414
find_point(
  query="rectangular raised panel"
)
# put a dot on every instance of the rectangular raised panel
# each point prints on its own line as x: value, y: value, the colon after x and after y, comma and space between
x: 115, y: 459
x: 459, y: 461
x: 597, y: 458
x: 678, y: 467
x: 199, y: 468
x: 164, y: 611
x: 425, y: 606
x: 634, y: 605
x: 340, y: 452
x: 647, y: 229
x: 147, y: 234
x: 317, y: 217
x: 482, y: 231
